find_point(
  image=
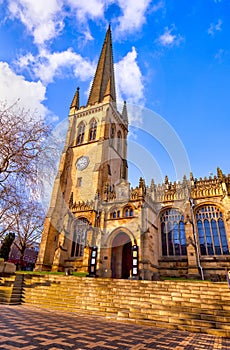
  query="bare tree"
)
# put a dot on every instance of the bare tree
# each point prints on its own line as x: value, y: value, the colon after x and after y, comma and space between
x: 22, y: 146
x: 22, y: 136
x: 28, y: 159
x: 27, y: 217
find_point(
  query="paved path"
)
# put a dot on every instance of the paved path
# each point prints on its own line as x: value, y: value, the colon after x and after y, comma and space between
x: 30, y: 328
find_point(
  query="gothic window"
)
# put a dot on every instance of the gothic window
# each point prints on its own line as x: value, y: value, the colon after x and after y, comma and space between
x: 112, y: 134
x: 81, y: 133
x: 128, y: 212
x: 92, y: 130
x: 79, y: 237
x: 115, y: 214
x: 173, y: 238
x: 79, y: 181
x: 211, y: 231
x: 119, y: 142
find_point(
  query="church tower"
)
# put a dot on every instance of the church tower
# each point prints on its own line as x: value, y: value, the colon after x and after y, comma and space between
x: 92, y: 163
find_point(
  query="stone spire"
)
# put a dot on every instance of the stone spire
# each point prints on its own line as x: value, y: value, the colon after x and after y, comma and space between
x: 75, y: 103
x: 103, y: 87
x: 125, y: 113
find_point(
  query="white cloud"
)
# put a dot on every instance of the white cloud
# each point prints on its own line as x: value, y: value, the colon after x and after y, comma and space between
x: 157, y: 6
x: 129, y: 79
x: 219, y: 55
x: 43, y: 20
x: 168, y: 38
x: 215, y: 27
x: 89, y: 9
x: 14, y: 87
x: 133, y: 15
x: 46, y: 66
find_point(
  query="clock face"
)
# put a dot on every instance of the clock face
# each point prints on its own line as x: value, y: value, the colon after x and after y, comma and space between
x: 82, y: 163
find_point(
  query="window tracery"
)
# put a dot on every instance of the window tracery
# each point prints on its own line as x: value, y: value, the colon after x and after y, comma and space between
x: 81, y: 133
x: 92, y: 130
x: 211, y: 231
x: 79, y: 237
x: 173, y: 237
x: 128, y: 212
x: 112, y: 134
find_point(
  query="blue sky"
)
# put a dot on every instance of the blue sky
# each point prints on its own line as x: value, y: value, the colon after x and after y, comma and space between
x: 172, y: 57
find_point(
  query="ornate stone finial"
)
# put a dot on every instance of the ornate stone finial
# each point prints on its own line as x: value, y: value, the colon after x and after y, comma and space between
x: 141, y: 183
x: 152, y: 186
x: 166, y: 180
x: 184, y: 179
x: 219, y: 173
x: 124, y: 112
x: 191, y: 176
x: 75, y: 102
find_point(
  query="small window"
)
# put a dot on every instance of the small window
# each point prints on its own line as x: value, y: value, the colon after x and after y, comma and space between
x: 128, y: 212
x: 112, y: 134
x: 80, y: 134
x: 119, y: 142
x: 92, y: 130
x: 79, y: 181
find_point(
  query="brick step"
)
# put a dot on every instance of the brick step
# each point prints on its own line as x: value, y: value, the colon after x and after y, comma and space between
x: 118, y: 303
x: 165, y: 321
x: 143, y: 312
x: 209, y: 305
x: 139, y: 296
x: 175, y: 326
x: 131, y: 285
x: 81, y: 289
x: 200, y: 307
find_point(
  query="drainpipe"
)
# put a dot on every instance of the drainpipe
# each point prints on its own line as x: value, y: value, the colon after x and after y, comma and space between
x: 195, y: 238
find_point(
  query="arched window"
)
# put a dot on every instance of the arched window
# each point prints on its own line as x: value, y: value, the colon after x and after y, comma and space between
x: 81, y: 133
x: 115, y: 214
x: 128, y: 212
x: 92, y: 130
x: 119, y: 142
x: 211, y: 231
x: 173, y: 237
x: 112, y: 134
x: 79, y: 237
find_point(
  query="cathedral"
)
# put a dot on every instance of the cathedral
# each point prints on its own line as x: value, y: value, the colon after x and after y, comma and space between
x: 98, y: 224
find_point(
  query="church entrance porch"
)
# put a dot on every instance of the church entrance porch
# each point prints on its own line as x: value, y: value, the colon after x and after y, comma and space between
x: 121, y: 258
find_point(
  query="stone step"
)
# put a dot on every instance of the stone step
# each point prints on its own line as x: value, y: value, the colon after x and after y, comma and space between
x: 205, y: 293
x: 139, y: 311
x: 182, y: 305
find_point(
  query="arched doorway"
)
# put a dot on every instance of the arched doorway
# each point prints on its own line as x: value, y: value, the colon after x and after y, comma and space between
x: 121, y: 259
